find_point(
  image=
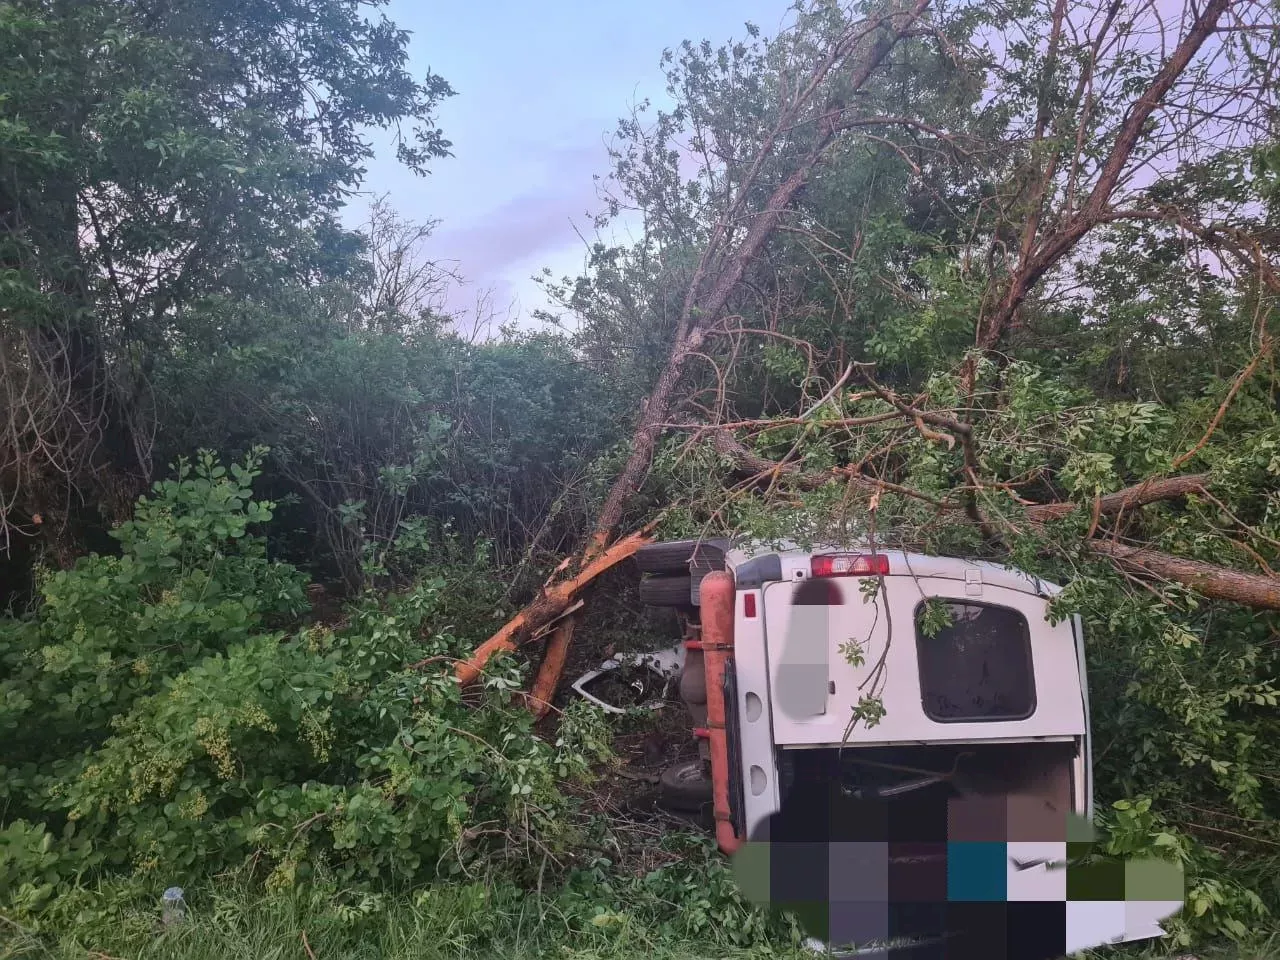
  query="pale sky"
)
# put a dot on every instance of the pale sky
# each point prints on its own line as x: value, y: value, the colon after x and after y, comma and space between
x: 539, y: 88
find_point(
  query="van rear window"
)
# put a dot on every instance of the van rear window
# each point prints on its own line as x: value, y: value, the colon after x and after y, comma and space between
x: 975, y: 662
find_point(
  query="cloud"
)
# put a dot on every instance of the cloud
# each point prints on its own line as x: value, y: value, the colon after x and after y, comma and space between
x: 533, y: 224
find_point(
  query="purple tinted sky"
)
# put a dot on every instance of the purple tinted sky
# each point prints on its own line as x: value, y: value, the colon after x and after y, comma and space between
x: 539, y: 87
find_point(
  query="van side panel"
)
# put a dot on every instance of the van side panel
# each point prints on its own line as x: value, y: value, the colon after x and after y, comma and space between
x: 755, y: 721
x: 1086, y: 757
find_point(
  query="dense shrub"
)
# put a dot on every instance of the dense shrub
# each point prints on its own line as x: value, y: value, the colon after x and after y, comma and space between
x: 167, y: 717
x: 372, y: 431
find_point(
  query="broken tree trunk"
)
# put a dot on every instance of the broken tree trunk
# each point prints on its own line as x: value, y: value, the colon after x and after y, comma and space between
x: 1256, y: 590
x: 552, y: 667
x: 860, y: 51
x: 550, y: 603
x: 1149, y: 491
x: 1259, y: 591
x: 700, y: 313
x: 1152, y: 490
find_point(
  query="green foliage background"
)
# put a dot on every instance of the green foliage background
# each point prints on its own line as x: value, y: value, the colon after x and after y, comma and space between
x: 175, y: 280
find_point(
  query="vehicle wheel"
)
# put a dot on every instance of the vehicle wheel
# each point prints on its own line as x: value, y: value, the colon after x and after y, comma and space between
x: 686, y: 786
x: 667, y: 592
x: 675, y: 557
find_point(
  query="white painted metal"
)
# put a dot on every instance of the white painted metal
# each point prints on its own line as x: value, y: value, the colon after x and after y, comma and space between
x: 1062, y: 704
x: 1085, y: 760
x: 796, y: 561
x: 665, y: 663
x: 1057, y: 652
x: 751, y: 668
x: 889, y: 633
x: 1036, y: 870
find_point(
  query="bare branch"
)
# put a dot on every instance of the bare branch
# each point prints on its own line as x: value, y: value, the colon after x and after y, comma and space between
x: 1259, y: 591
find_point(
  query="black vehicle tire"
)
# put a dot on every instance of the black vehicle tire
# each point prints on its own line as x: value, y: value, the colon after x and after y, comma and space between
x: 667, y: 558
x: 667, y: 592
x: 686, y: 786
x: 675, y: 557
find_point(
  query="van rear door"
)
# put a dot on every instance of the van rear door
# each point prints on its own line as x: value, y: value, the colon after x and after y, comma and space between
x: 996, y: 669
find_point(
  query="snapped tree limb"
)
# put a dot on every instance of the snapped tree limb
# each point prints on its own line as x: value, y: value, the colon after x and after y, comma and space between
x: 1149, y: 491
x: 549, y: 604
x: 700, y: 312
x: 1258, y: 591
x: 861, y: 50
x: 1255, y: 590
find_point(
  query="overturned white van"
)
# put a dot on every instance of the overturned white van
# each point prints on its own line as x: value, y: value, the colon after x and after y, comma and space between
x: 893, y: 675
x: 988, y: 686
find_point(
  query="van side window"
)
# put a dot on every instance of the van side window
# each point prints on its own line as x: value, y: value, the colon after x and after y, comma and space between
x: 975, y: 662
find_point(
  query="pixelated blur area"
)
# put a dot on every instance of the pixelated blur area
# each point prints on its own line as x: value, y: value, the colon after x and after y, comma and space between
x: 951, y: 823
x: 803, y: 671
x: 970, y: 877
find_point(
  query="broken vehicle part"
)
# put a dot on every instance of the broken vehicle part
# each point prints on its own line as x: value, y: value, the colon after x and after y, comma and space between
x: 629, y: 681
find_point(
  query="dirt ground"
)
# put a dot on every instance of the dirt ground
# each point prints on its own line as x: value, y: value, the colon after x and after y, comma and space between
x: 627, y: 794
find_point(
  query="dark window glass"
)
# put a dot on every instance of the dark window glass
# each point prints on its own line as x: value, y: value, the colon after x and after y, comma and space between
x: 978, y: 667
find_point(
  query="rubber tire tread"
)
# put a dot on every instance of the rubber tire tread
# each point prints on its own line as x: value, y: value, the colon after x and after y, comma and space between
x: 665, y: 558
x: 681, y: 794
x: 667, y: 592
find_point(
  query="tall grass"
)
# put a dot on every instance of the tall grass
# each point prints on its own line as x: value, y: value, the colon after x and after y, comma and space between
x: 239, y: 926
x: 440, y: 923
x: 606, y: 918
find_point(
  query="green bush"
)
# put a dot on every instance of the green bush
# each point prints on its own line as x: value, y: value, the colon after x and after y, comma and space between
x: 167, y: 723
x: 376, y: 437
x: 694, y: 896
x: 190, y: 583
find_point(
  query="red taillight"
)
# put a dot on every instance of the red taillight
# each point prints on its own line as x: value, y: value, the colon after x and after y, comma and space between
x: 850, y: 565
x: 749, y: 605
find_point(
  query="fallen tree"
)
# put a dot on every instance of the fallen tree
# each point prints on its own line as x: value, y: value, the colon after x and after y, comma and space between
x: 1258, y: 591
x: 552, y: 601
x: 854, y: 55
x: 1061, y: 180
x: 758, y: 467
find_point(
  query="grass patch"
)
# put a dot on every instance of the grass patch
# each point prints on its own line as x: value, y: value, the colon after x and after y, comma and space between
x: 432, y: 925
x: 687, y: 908
x: 446, y: 922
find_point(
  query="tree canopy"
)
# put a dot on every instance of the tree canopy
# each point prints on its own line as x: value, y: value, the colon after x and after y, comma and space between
x: 166, y: 168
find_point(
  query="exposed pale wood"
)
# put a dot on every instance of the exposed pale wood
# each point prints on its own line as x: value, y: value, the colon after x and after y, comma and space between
x: 549, y: 605
x: 552, y: 667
